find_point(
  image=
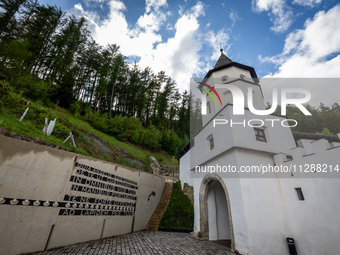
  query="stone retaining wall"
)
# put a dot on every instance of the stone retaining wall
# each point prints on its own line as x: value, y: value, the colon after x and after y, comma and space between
x: 189, y: 191
x: 158, y: 169
x: 51, y: 198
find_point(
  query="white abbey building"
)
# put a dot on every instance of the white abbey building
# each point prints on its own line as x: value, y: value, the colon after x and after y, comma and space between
x: 256, y: 213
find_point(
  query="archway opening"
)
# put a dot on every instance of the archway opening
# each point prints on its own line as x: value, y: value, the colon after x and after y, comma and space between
x: 218, y: 215
x: 215, y: 214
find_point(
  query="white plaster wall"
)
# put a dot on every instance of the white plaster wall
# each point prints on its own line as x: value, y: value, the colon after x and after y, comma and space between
x: 279, y: 138
x: 234, y: 188
x: 315, y: 222
x: 234, y: 74
x: 223, y: 139
x: 265, y: 211
x: 184, y: 169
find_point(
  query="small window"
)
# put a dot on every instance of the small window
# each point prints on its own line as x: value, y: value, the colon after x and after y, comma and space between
x: 259, y: 134
x: 299, y: 194
x: 211, y: 141
x: 208, y: 107
x: 224, y: 78
x: 242, y: 76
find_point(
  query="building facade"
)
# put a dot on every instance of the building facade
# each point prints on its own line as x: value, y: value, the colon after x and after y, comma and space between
x: 255, y: 182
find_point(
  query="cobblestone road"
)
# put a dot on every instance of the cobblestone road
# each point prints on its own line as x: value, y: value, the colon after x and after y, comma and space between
x: 144, y: 242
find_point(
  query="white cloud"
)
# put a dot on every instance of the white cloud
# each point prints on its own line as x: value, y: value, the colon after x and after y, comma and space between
x: 216, y: 40
x: 312, y: 51
x: 233, y: 15
x: 91, y: 17
x: 155, y: 4
x: 280, y: 14
x: 309, y: 3
x: 178, y: 56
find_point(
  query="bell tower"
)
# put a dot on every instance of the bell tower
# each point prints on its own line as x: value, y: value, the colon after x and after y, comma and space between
x: 227, y: 73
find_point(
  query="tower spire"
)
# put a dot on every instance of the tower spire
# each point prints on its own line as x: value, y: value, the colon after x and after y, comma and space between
x: 223, y: 60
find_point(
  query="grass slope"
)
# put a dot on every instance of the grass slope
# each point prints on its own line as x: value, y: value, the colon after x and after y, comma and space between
x: 89, y: 141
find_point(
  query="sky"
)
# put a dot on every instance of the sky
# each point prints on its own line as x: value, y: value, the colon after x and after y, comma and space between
x: 279, y: 38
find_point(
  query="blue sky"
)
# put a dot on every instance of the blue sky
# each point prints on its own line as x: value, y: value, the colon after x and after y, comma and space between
x: 299, y: 38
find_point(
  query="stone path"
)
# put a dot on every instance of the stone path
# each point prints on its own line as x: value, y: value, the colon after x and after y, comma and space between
x: 145, y: 242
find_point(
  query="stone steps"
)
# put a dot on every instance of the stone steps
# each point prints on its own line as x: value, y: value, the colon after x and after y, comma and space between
x: 161, y: 208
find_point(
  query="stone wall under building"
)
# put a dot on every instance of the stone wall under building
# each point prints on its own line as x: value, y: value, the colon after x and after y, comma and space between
x: 51, y: 198
x: 189, y: 191
x: 158, y: 169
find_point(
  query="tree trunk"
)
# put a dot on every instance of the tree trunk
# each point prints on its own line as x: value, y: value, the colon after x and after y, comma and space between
x: 94, y: 84
x: 113, y: 87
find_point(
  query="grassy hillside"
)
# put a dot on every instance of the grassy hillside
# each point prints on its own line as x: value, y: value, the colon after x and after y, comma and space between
x: 89, y: 141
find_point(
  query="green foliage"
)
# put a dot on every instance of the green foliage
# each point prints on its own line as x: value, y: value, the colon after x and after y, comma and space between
x: 183, y: 142
x: 5, y: 91
x: 33, y: 123
x: 60, y: 131
x: 100, y: 122
x: 152, y: 137
x: 322, y: 117
x: 76, y: 108
x: 174, y: 142
x: 180, y: 212
x: 165, y: 142
x: 51, y: 58
x: 34, y: 88
x: 13, y: 54
x: 325, y: 131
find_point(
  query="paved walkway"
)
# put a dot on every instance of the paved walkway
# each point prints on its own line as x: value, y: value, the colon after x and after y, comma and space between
x: 145, y: 242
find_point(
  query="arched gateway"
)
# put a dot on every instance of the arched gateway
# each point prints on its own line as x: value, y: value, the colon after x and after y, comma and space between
x: 215, y: 214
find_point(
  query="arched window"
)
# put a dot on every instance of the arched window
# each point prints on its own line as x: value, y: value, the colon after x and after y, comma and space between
x: 242, y: 76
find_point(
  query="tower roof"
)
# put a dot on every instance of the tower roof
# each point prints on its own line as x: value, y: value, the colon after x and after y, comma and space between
x: 223, y: 60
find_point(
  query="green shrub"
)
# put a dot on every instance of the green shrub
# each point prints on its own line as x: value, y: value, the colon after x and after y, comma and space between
x: 101, y: 122
x: 173, y: 149
x: 34, y: 88
x: 117, y: 126
x: 180, y: 212
x: 60, y: 131
x: 165, y: 140
x: 126, y: 128
x: 76, y: 108
x: 5, y: 93
x: 31, y: 114
x: 39, y: 106
x: 5, y: 89
x: 41, y: 119
x: 152, y: 137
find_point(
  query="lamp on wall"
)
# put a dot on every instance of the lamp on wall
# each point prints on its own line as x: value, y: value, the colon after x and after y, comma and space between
x: 152, y: 194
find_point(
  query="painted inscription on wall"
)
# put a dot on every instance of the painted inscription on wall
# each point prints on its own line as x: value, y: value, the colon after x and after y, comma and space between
x: 118, y: 194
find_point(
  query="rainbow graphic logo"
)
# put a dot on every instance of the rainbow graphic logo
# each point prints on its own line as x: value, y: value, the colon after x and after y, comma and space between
x: 213, y: 90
